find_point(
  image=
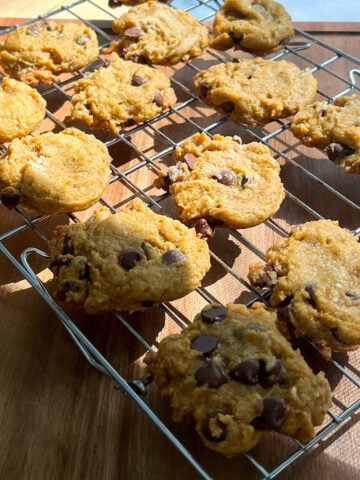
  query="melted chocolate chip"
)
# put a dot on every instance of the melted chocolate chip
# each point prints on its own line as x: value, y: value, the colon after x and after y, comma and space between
x: 159, y: 99
x: 67, y: 286
x: 173, y: 256
x: 129, y: 258
x: 147, y: 303
x: 225, y: 177
x: 190, y: 160
x: 83, y: 272
x: 310, y: 289
x: 213, y: 428
x: 204, y: 89
x: 205, y: 344
x: 133, y: 32
x: 228, y: 107
x: 213, y: 313
x: 59, y: 262
x: 67, y: 249
x: 336, y: 151
x: 211, y: 374
x: 276, y: 374
x: 202, y: 228
x: 264, y: 279
x: 246, y: 372
x: 138, y: 80
x: 9, y: 199
x: 272, y: 415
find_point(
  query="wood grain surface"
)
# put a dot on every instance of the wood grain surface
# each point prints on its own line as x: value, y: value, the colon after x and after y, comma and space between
x: 63, y: 420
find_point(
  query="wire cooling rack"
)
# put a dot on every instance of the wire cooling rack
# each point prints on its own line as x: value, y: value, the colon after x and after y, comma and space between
x: 315, y: 188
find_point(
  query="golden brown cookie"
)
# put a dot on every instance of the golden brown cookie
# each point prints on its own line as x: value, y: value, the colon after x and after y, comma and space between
x: 113, y: 96
x: 233, y: 374
x: 54, y: 172
x: 314, y: 277
x: 257, y: 26
x: 127, y: 261
x: 334, y: 127
x: 22, y: 109
x: 256, y: 91
x: 159, y: 34
x: 220, y: 182
x: 38, y: 52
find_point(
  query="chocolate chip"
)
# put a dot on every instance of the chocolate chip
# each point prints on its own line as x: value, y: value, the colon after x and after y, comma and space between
x: 159, y: 99
x: 310, y: 289
x: 83, y: 270
x: 228, y: 107
x: 323, y: 112
x: 59, y: 262
x: 211, y: 374
x: 276, y: 374
x: 213, y: 428
x: 147, y: 303
x: 204, y: 89
x: 190, y: 160
x: 9, y: 199
x: 129, y: 258
x: 67, y: 249
x: 352, y: 295
x: 173, y: 256
x: 265, y: 278
x: 137, y: 58
x: 272, y: 415
x: 213, y: 313
x: 133, y: 32
x: 225, y: 177
x: 336, y: 151
x: 82, y: 40
x: 67, y: 286
x: 202, y: 227
x: 335, y: 334
x: 205, y: 344
x: 246, y: 372
x: 138, y: 80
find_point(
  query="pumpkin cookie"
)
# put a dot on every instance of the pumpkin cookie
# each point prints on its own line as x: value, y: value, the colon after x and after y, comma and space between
x: 111, y: 97
x: 54, y: 172
x: 22, y: 109
x: 256, y: 91
x: 220, y: 182
x: 235, y: 376
x: 257, y: 26
x: 127, y: 261
x: 38, y: 52
x: 159, y: 34
x: 314, y: 277
x: 334, y: 127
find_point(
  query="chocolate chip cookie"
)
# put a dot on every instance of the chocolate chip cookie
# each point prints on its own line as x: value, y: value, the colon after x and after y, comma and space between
x: 37, y: 53
x: 257, y: 26
x: 127, y: 261
x: 54, y: 172
x: 334, y: 127
x: 314, y: 278
x: 123, y: 92
x: 220, y: 182
x: 235, y: 376
x: 159, y: 34
x: 22, y: 109
x: 256, y: 91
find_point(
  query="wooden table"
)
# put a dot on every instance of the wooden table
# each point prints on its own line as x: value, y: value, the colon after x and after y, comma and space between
x: 62, y: 420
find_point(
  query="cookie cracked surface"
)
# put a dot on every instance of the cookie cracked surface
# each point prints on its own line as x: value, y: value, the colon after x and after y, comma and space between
x: 235, y: 376
x: 54, y: 172
x: 122, y: 92
x: 37, y: 53
x: 159, y: 34
x: 256, y: 91
x: 127, y: 261
x: 225, y: 183
x: 334, y: 127
x: 257, y: 26
x: 314, y: 278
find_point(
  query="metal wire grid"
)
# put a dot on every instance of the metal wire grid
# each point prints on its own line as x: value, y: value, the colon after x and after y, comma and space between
x: 194, y: 116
